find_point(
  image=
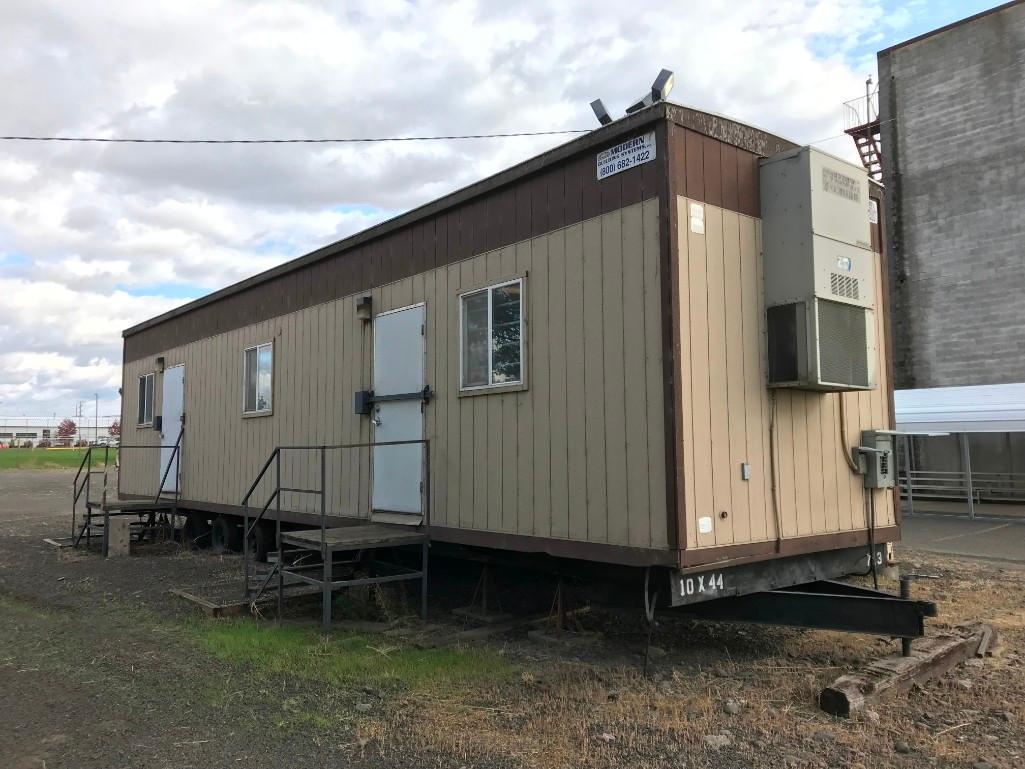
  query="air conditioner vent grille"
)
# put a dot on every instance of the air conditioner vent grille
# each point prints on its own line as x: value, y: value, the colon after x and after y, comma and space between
x: 844, y: 285
x: 843, y: 344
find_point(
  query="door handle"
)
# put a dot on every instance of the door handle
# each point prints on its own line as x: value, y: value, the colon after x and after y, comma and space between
x: 376, y: 420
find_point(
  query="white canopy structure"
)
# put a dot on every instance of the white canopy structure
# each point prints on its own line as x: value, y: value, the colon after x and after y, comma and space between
x: 971, y: 409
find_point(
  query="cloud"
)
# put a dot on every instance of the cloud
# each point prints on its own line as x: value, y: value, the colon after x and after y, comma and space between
x: 95, y: 238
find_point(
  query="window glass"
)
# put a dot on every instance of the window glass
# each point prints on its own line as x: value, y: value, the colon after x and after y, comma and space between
x: 492, y: 336
x: 505, y: 334
x: 263, y: 381
x: 145, y: 415
x: 475, y: 339
x: 250, y: 383
x: 259, y: 377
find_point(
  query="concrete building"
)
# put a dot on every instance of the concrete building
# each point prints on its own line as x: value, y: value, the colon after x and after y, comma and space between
x: 951, y: 109
x: 949, y: 133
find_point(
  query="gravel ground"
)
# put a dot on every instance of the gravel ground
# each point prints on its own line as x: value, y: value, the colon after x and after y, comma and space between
x: 100, y: 667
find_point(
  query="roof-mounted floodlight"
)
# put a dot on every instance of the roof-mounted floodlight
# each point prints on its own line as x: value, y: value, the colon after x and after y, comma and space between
x: 659, y: 92
x: 663, y: 85
x: 644, y: 101
x: 600, y: 112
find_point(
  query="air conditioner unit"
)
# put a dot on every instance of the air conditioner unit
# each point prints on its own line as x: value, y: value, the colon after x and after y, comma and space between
x: 821, y: 345
x: 819, y: 272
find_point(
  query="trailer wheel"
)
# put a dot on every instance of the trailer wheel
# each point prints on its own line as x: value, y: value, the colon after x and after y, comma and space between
x: 196, y: 531
x: 260, y: 539
x: 225, y: 535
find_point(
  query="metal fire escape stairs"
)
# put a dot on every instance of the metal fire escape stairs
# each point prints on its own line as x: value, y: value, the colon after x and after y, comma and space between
x: 861, y: 123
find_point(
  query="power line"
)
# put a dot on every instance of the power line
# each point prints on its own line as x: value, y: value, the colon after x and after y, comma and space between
x: 359, y: 140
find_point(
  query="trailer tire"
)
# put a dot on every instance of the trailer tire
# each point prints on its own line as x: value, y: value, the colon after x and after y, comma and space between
x: 197, y: 531
x: 260, y: 541
x: 225, y: 535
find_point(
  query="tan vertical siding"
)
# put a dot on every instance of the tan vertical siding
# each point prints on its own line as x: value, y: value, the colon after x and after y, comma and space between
x: 733, y: 292
x: 558, y: 389
x: 539, y: 409
x: 577, y: 454
x: 727, y: 408
x: 653, y: 385
x: 576, y: 436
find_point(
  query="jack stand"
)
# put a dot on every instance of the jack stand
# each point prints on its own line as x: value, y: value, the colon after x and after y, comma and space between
x: 557, y: 616
x: 483, y: 614
x: 559, y: 609
x: 905, y: 592
x: 649, y: 615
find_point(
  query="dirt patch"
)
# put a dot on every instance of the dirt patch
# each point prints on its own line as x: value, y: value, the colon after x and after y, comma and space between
x: 102, y: 667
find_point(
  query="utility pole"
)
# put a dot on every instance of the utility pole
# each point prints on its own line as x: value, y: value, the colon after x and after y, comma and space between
x: 96, y: 420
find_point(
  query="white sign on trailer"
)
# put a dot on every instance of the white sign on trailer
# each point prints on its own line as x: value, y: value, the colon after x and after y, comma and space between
x: 632, y: 152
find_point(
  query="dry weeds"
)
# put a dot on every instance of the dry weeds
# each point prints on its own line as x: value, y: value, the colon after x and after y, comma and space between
x: 599, y: 711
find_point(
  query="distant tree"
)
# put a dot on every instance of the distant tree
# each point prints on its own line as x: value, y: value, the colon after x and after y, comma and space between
x: 66, y: 431
x: 115, y: 428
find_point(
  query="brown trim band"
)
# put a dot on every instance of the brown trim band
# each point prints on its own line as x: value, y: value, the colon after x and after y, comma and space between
x: 555, y: 197
x: 731, y: 555
x: 676, y: 532
x: 559, y: 548
x: 543, y: 194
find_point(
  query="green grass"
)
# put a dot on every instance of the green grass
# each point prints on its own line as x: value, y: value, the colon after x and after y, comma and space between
x: 346, y: 659
x: 40, y: 459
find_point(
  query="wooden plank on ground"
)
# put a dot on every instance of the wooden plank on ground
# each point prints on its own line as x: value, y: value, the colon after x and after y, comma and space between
x: 930, y: 657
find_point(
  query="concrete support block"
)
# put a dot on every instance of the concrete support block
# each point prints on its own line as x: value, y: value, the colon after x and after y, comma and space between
x: 119, y: 542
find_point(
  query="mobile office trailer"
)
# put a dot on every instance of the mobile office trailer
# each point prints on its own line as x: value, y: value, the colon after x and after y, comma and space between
x: 616, y: 358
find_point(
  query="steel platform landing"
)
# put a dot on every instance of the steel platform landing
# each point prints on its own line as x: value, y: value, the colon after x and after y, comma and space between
x: 131, y: 507
x: 362, y: 537
x: 359, y: 538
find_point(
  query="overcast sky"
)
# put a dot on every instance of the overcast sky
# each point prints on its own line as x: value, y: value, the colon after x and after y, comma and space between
x: 95, y: 238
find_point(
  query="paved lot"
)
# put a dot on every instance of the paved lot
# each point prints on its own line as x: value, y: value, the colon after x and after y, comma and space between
x: 987, y: 539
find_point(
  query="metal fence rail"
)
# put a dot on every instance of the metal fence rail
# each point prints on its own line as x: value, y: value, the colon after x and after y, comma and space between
x: 951, y: 484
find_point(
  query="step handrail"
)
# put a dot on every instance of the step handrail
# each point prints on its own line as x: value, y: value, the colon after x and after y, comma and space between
x: 171, y: 461
x: 77, y: 492
x: 275, y: 495
x: 259, y: 476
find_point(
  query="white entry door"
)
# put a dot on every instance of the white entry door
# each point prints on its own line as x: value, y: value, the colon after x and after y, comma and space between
x: 172, y: 406
x: 398, y: 414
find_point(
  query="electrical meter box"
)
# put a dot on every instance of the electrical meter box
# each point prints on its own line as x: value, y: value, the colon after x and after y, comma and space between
x: 819, y: 272
x: 878, y: 461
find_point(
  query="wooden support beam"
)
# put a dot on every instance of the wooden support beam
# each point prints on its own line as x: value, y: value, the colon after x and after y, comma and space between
x: 930, y: 657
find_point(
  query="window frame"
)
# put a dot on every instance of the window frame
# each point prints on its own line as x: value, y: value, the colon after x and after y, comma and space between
x: 493, y: 387
x: 245, y: 380
x: 148, y: 391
